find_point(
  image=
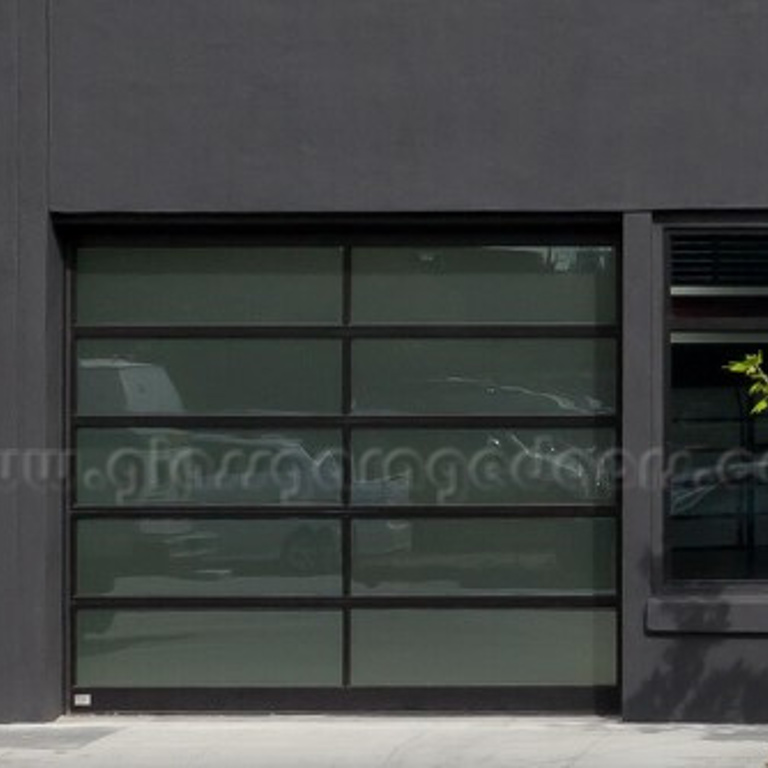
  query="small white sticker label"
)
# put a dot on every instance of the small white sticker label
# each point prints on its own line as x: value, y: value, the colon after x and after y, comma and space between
x: 83, y: 700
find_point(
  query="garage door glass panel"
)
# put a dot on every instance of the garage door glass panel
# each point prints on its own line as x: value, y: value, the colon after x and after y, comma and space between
x: 146, y: 466
x: 200, y: 557
x: 208, y: 376
x: 212, y: 648
x: 571, y: 377
x: 483, y: 647
x: 484, y: 284
x: 305, y: 469
x: 467, y: 557
x: 481, y: 466
x: 208, y: 286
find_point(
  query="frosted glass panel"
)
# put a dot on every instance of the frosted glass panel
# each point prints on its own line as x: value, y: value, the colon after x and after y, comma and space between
x: 168, y: 649
x: 208, y: 286
x: 483, y: 647
x: 476, y: 557
x: 484, y: 284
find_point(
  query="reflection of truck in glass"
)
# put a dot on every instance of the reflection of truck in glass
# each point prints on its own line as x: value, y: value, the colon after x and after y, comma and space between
x: 302, y: 546
x: 115, y: 387
x: 205, y: 465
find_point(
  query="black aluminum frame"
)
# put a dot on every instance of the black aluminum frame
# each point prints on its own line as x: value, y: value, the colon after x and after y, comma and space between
x: 672, y: 324
x: 602, y: 700
x: 344, y: 233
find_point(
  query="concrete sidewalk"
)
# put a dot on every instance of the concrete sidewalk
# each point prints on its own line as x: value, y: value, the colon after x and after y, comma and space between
x: 377, y: 741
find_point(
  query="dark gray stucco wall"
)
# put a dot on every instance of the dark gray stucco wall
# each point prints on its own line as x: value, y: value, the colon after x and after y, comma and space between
x: 687, y: 655
x: 8, y: 213
x: 30, y: 342
x: 281, y: 105
x: 259, y: 106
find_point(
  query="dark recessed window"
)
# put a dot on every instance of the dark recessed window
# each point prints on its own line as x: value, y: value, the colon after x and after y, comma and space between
x: 717, y: 495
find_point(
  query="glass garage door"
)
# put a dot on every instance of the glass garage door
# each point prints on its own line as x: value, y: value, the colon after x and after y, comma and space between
x: 344, y: 476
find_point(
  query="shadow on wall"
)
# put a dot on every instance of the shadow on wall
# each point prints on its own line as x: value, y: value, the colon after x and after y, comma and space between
x: 707, y: 671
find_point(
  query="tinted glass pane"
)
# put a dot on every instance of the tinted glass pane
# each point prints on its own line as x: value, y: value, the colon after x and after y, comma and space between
x: 544, y: 376
x: 718, y: 498
x: 177, y: 376
x: 714, y: 305
x: 492, y: 284
x: 198, y: 286
x: 200, y: 556
x: 483, y: 647
x: 207, y: 466
x: 717, y: 546
x: 465, y: 557
x: 168, y: 649
x: 481, y: 466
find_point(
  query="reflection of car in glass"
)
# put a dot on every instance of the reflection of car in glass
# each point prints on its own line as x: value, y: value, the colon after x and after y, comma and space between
x: 207, y: 548
x: 300, y: 547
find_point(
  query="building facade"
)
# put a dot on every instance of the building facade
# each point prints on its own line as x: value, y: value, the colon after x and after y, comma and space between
x: 368, y: 355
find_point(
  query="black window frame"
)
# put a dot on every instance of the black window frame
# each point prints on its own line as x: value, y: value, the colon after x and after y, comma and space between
x: 719, y: 324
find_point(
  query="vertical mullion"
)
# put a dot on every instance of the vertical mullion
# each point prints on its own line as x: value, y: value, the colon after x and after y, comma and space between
x: 70, y: 403
x: 346, y: 442
x: 618, y: 442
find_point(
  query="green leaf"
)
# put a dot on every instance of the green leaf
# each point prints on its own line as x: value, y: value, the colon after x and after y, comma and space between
x: 751, y: 366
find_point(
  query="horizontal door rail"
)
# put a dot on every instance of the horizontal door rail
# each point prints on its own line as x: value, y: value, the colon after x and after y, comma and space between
x: 368, y: 602
x: 378, y: 331
x: 394, y: 512
x: 296, y: 421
